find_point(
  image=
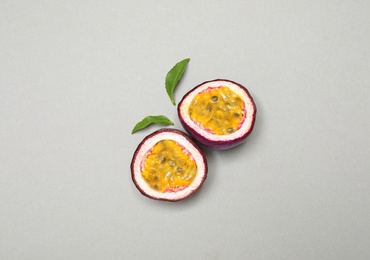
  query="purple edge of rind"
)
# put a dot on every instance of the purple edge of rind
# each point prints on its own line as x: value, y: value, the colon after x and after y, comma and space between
x: 192, y: 142
x: 217, y: 145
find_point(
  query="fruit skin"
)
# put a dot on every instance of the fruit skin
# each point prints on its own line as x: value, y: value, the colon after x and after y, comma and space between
x: 193, y: 131
x: 147, y: 190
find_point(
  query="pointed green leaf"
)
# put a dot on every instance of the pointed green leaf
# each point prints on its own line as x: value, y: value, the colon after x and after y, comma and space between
x: 173, y: 77
x: 162, y: 120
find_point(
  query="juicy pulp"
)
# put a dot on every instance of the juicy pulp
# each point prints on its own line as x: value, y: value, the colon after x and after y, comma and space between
x: 219, y: 110
x: 168, y: 167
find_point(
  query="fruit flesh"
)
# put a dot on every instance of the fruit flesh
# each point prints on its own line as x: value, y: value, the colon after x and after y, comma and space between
x: 219, y: 110
x: 168, y: 167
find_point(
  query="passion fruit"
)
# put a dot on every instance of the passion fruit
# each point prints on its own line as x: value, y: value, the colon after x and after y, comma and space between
x: 168, y: 165
x: 219, y: 114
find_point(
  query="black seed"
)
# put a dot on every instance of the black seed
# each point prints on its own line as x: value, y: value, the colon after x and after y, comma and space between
x: 163, y: 159
x: 179, y: 169
x: 209, y: 108
x: 214, y: 98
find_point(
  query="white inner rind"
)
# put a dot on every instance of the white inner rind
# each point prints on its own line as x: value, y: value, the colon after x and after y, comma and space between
x: 249, y: 108
x: 147, y: 146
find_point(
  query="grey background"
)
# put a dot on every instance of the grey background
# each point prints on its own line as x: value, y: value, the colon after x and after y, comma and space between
x: 76, y: 76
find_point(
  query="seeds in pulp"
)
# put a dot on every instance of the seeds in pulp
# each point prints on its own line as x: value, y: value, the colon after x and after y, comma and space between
x: 168, y: 167
x: 223, y: 115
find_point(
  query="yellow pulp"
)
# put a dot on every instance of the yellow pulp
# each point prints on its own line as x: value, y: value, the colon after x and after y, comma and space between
x: 219, y: 110
x: 168, y: 167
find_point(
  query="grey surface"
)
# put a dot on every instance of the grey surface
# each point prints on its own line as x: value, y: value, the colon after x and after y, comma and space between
x: 76, y: 76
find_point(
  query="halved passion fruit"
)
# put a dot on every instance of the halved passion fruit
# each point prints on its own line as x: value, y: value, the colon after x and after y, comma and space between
x: 168, y: 165
x: 219, y: 114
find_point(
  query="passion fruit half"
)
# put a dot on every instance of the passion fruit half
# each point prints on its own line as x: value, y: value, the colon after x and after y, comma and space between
x: 168, y: 165
x: 219, y: 114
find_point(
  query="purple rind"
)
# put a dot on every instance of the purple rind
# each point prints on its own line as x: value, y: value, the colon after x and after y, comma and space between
x: 217, y: 145
x: 142, y: 191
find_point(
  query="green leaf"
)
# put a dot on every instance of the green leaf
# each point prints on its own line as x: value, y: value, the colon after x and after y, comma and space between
x: 173, y: 77
x: 162, y: 120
